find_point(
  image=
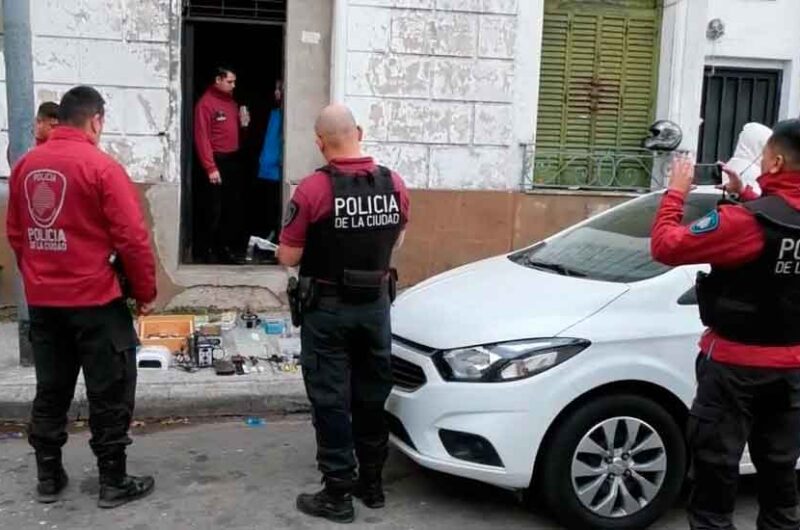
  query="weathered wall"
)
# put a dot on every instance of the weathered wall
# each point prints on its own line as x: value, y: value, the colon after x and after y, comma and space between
x: 451, y: 228
x: 122, y: 47
x: 446, y: 89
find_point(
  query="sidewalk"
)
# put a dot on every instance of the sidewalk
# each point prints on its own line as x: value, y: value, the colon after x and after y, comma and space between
x: 167, y: 393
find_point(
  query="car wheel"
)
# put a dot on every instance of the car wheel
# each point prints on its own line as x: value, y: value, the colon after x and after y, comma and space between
x: 617, y: 462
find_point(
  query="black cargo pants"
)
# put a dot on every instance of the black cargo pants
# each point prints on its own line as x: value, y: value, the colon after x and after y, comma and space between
x: 102, y: 342
x: 347, y: 373
x: 734, y: 406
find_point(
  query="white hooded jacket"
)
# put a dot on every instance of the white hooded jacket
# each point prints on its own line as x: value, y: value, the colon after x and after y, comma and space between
x: 746, y: 156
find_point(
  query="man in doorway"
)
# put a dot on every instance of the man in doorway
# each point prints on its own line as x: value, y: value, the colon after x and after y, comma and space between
x: 344, y: 257
x: 70, y: 208
x: 217, y: 123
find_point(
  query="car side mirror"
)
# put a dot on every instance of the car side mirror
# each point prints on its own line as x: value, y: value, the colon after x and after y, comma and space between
x: 689, y: 297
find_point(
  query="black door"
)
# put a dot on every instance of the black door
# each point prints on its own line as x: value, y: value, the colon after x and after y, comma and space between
x: 733, y: 97
x: 187, y: 227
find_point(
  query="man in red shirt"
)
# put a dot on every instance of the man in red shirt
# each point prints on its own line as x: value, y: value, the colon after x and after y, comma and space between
x: 748, y: 372
x: 71, y: 207
x: 341, y: 227
x: 216, y: 135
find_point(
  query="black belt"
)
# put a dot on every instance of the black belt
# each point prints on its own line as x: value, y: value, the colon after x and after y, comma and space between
x: 327, y: 289
x: 226, y: 156
x: 331, y: 289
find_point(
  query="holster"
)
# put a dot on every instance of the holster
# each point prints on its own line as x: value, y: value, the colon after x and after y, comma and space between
x: 293, y: 295
x: 302, y: 295
x: 119, y: 270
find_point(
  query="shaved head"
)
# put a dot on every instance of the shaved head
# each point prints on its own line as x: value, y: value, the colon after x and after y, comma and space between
x: 337, y: 131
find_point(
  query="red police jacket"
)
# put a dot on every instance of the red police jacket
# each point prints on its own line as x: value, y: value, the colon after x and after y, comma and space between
x: 732, y: 239
x: 70, y: 207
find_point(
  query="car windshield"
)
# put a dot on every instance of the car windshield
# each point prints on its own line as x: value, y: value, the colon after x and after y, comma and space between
x: 614, y: 247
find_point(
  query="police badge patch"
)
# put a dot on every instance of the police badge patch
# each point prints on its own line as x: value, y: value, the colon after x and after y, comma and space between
x: 291, y: 213
x: 707, y: 223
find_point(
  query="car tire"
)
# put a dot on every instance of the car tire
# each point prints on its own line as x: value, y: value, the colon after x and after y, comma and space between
x: 626, y: 484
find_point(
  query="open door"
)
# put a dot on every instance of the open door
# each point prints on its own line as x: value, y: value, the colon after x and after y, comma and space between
x: 187, y: 154
x: 248, y: 37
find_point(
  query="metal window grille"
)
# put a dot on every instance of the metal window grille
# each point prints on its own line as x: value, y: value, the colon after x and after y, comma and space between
x: 257, y: 10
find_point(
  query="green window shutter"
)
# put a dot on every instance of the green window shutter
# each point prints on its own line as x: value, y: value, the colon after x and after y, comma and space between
x: 597, y: 91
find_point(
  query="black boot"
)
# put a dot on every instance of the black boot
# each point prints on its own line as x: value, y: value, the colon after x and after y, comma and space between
x: 370, y: 488
x: 52, y: 477
x: 334, y: 502
x: 117, y: 487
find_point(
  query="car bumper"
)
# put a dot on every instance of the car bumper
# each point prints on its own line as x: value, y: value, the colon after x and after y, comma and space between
x: 496, y: 413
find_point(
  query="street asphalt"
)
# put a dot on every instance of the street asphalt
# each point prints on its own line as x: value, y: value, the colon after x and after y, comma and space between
x: 234, y: 476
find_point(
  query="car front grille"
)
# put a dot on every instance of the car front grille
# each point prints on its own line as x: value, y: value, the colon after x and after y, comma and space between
x: 407, y: 375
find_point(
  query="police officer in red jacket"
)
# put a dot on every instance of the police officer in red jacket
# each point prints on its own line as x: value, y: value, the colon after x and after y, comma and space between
x: 341, y: 227
x: 748, y: 371
x: 217, y: 125
x: 71, y: 207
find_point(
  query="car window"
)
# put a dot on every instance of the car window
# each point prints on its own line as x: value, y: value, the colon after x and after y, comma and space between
x: 613, y: 247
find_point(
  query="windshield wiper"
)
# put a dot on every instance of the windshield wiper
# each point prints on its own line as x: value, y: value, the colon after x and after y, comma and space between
x: 555, y: 267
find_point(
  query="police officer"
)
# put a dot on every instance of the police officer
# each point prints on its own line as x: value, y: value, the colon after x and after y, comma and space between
x: 71, y: 207
x: 748, y: 371
x: 341, y: 227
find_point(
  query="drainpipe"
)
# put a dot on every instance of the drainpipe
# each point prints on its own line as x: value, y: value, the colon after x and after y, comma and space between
x: 20, y: 104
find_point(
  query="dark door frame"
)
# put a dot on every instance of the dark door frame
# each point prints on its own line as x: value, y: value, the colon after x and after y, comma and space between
x: 187, y: 158
x: 728, y: 117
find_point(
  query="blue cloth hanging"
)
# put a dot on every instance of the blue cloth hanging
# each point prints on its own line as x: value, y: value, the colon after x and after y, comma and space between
x: 270, y: 161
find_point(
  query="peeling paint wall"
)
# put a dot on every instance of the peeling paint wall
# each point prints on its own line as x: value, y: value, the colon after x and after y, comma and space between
x: 446, y: 90
x: 122, y: 47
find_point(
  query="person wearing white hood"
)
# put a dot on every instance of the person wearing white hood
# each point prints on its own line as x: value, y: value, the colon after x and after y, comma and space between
x: 742, y: 170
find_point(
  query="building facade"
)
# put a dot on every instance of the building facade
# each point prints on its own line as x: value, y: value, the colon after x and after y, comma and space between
x: 510, y: 119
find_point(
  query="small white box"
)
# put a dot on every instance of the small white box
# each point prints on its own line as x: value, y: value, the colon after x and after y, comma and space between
x: 153, y: 357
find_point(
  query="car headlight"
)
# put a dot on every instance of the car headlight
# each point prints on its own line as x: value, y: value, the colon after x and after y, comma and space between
x: 507, y: 361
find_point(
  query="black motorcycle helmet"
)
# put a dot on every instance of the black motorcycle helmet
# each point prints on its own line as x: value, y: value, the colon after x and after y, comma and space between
x: 665, y: 135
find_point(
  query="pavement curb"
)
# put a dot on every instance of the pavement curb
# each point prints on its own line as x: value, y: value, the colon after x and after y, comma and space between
x: 159, y: 400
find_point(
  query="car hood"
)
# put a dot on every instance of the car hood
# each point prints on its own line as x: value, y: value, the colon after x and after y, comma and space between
x: 496, y: 300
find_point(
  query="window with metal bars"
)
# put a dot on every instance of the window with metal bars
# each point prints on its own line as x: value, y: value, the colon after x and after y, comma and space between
x: 261, y: 10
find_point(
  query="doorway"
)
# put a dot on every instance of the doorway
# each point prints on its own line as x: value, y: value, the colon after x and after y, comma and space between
x: 247, y: 37
x: 733, y: 97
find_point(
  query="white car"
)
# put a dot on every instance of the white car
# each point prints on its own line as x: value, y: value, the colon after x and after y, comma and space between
x: 565, y: 369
